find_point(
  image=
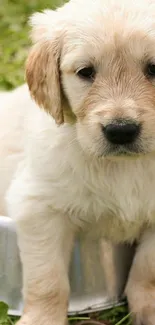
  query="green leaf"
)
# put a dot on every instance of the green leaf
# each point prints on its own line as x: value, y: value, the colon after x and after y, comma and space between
x: 3, y: 312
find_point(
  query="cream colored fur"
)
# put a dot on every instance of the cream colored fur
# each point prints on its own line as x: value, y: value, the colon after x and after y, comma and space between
x: 56, y: 180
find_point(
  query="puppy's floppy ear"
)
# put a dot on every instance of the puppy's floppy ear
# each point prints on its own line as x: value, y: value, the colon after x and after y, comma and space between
x: 42, y: 68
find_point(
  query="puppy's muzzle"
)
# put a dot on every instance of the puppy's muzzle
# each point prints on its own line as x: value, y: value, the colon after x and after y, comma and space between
x: 121, y: 132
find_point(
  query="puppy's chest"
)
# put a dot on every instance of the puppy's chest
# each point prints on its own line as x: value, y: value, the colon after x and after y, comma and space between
x: 117, y: 202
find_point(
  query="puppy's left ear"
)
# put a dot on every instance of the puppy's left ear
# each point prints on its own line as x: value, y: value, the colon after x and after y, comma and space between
x: 42, y: 68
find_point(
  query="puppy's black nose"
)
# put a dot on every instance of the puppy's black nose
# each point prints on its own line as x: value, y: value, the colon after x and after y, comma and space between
x: 121, y: 132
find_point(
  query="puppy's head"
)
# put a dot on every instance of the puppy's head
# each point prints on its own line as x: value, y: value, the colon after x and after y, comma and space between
x: 94, y: 61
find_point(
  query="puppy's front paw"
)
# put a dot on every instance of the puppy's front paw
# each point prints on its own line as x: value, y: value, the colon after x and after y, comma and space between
x: 144, y: 317
x: 142, y: 304
x: 26, y: 320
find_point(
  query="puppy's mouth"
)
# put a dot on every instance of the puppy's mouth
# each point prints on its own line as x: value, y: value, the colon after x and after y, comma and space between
x: 128, y: 150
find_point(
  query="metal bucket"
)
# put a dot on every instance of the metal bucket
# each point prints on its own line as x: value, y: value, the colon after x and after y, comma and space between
x: 98, y: 272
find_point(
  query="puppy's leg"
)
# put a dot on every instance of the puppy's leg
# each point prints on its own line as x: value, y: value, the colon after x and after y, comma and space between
x: 45, y: 240
x: 140, y: 288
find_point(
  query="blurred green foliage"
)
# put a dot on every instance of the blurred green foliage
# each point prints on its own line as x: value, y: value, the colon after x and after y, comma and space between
x: 14, y: 38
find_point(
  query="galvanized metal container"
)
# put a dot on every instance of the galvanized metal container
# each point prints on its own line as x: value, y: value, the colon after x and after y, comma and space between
x: 98, y: 272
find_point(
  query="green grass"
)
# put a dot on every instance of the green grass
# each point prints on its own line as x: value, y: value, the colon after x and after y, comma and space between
x: 14, y: 45
x: 115, y: 316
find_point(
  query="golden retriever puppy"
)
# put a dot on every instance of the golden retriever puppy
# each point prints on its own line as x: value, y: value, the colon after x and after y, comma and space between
x: 88, y: 157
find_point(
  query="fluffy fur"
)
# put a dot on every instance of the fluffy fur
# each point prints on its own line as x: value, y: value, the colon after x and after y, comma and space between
x: 58, y: 172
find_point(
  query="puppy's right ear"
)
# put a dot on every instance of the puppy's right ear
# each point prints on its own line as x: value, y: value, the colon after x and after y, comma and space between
x: 42, y: 68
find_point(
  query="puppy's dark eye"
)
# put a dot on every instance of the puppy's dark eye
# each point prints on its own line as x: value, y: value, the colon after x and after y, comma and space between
x: 87, y: 73
x: 150, y: 70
